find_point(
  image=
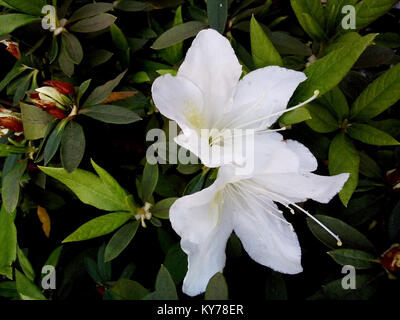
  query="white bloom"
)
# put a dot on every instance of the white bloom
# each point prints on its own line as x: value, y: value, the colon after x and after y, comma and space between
x: 246, y: 205
x: 207, y: 94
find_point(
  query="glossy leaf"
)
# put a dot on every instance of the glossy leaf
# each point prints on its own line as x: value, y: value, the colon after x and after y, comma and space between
x: 371, y: 135
x: 357, y: 258
x: 11, y: 186
x: 8, y: 242
x: 120, y: 240
x: 217, y: 289
x: 263, y: 51
x: 99, y: 226
x: 217, y: 11
x: 178, y: 33
x: 344, y: 158
x: 350, y: 237
x: 73, y: 146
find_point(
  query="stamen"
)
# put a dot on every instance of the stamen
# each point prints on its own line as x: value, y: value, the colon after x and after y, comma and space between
x: 287, y: 202
x: 316, y: 93
x: 339, y: 242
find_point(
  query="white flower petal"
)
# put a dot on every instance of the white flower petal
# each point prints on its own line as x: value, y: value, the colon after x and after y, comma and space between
x: 179, y: 99
x: 306, y: 158
x: 212, y: 65
x: 207, y: 258
x: 266, y: 237
x: 298, y: 187
x: 261, y: 93
x: 193, y: 217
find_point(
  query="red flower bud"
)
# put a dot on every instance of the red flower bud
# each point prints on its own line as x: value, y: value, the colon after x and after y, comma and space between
x: 390, y: 259
x: 393, y: 179
x: 13, y: 48
x: 62, y: 87
x: 49, y: 107
x: 10, y: 120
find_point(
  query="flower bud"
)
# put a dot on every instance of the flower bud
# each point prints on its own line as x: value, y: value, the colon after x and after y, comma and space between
x: 393, y: 179
x: 390, y: 259
x: 50, y: 106
x: 10, y: 120
x: 61, y: 86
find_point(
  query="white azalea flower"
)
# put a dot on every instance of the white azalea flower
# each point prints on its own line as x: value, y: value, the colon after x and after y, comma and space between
x: 246, y: 205
x: 207, y: 94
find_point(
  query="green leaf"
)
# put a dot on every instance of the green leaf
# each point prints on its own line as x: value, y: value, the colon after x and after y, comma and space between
x: 176, y: 261
x: 82, y: 89
x: 327, y: 72
x: 334, y: 16
x: 361, y: 209
x: 390, y: 126
x: 367, y: 11
x: 16, y: 70
x: 23, y: 87
x: 275, y: 287
x: 263, y: 51
x: 99, y: 226
x: 54, y: 140
x: 110, y: 182
x: 196, y: 184
x: 25, y: 265
x: 164, y: 288
x: 321, y: 119
x: 177, y: 34
x: 350, y: 237
x: 217, y: 289
x: 7, y: 150
x: 90, y: 10
x: 105, y: 268
x: 35, y: 121
x: 90, y: 189
x: 119, y: 38
x: 295, y: 116
x: 120, y: 240
x: 11, y: 186
x: 54, y: 257
x: 336, y: 102
x: 73, y: 146
x: 365, y: 288
x: 344, y: 158
x: 285, y: 44
x: 149, y: 181
x: 389, y: 40
x: 174, y: 53
x: 378, y: 96
x: 357, y: 258
x: 131, y: 5
x: 73, y: 47
x: 111, y: 114
x: 98, y: 57
x: 101, y: 93
x: 371, y: 135
x: 66, y: 64
x: 8, y: 242
x: 12, y: 21
x: 26, y: 289
x: 161, y: 208
x: 33, y: 7
x: 54, y: 49
x: 126, y: 289
x: 93, y: 24
x: 217, y: 11
x: 311, y: 17
x: 369, y: 167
